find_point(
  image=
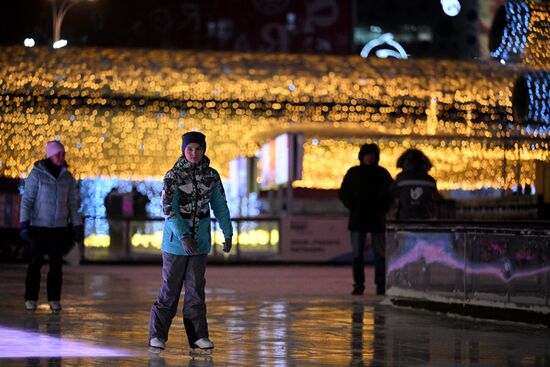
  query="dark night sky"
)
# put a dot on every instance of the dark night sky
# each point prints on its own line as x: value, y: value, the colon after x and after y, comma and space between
x: 313, y: 26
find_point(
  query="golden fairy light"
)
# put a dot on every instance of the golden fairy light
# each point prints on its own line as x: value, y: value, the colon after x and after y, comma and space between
x: 121, y: 112
x: 537, y: 49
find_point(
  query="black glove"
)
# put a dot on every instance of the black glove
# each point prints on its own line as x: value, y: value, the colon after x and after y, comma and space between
x: 78, y: 233
x: 189, y: 244
x: 227, y: 245
x: 24, y: 230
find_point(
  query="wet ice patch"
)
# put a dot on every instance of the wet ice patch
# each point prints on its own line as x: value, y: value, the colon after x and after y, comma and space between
x: 21, y: 344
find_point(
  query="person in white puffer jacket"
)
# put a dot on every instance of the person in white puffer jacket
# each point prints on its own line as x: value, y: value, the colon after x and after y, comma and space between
x: 49, y: 208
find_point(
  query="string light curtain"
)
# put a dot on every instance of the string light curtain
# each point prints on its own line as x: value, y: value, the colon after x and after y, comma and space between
x: 531, y: 98
x: 121, y: 113
x: 521, y: 32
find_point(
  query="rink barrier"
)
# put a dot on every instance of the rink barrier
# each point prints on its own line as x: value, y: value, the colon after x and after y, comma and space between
x: 139, y: 239
x: 285, y: 239
x: 494, y: 270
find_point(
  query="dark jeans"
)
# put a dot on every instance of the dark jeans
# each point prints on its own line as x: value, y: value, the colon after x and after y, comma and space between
x: 358, y: 240
x: 179, y: 271
x: 51, y: 242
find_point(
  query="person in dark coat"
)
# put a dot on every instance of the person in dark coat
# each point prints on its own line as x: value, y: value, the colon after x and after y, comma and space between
x: 140, y: 202
x: 414, y: 188
x: 365, y: 192
x: 117, y: 227
x: 49, y: 206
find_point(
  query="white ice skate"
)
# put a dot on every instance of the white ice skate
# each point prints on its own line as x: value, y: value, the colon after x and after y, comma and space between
x: 202, y: 347
x: 55, y: 306
x: 30, y: 305
x: 156, y: 345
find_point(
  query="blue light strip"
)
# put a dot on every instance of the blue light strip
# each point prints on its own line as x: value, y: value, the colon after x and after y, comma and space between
x: 94, y: 191
x: 514, y: 37
x: 538, y: 87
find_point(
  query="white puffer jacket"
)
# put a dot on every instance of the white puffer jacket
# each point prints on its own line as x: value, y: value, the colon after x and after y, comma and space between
x: 48, y: 201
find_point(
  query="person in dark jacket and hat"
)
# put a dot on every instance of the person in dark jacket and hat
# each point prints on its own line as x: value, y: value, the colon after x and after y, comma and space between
x: 49, y: 202
x: 365, y: 192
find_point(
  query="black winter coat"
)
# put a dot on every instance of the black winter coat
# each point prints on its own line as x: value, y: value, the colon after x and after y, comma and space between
x: 365, y: 192
x: 416, y: 191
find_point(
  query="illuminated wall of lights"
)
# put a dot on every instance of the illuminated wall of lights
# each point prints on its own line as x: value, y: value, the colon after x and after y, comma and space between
x: 537, y: 50
x: 121, y: 113
x: 538, y: 92
x: 514, y: 35
x: 457, y: 164
x: 94, y: 191
x: 151, y: 241
x: 526, y: 33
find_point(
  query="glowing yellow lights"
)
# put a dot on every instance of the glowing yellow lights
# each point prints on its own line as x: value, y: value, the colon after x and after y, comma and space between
x: 466, y: 165
x: 147, y: 240
x: 121, y: 112
x: 537, y: 49
x: 97, y: 240
x: 256, y: 238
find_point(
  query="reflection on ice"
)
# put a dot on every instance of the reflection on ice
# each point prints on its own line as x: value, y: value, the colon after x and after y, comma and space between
x: 21, y: 344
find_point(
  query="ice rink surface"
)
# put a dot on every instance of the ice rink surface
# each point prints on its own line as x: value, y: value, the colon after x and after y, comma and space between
x: 258, y: 316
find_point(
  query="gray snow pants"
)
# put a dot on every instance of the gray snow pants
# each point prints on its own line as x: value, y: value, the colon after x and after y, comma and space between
x: 179, y: 271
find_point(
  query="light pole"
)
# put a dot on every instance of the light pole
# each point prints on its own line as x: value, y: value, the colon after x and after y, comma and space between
x: 58, y: 13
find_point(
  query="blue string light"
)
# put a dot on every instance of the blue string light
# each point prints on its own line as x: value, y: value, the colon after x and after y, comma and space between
x: 514, y: 36
x: 94, y: 191
x: 538, y: 87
